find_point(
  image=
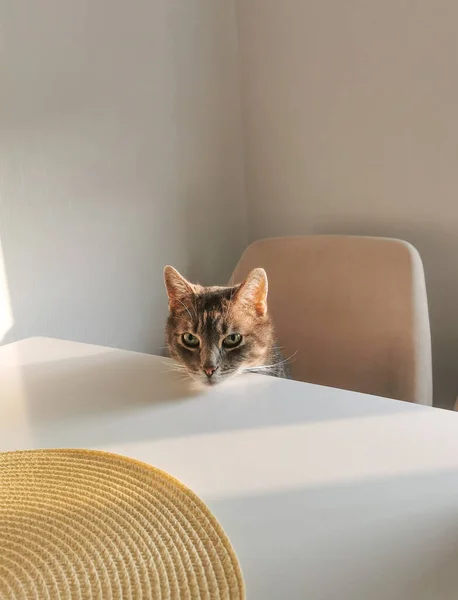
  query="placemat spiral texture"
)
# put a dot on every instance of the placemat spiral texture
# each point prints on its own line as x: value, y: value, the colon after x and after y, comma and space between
x: 84, y: 525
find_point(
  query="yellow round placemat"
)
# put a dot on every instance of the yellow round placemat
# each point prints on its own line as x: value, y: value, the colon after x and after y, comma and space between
x: 79, y: 524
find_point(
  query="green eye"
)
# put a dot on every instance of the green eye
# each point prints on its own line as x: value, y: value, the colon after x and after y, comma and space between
x: 189, y: 340
x: 233, y: 340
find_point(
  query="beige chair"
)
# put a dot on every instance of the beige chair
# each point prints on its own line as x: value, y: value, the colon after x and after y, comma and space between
x: 352, y: 310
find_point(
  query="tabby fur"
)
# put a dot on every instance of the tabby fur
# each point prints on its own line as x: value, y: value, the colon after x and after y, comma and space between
x: 214, y: 333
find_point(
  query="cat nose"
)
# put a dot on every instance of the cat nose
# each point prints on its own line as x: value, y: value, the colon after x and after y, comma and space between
x: 209, y: 371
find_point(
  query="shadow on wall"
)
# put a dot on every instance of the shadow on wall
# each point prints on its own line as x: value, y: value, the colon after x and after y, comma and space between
x: 436, y: 247
x: 215, y: 240
x: 111, y: 169
x: 95, y: 274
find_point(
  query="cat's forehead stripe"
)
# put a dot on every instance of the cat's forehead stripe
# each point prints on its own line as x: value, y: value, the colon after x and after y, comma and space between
x: 210, y: 324
x: 212, y: 311
x: 215, y: 300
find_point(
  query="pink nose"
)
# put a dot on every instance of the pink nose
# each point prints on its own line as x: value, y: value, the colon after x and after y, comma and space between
x: 209, y: 371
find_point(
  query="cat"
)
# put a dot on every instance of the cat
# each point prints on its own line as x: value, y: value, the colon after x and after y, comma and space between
x: 215, y: 333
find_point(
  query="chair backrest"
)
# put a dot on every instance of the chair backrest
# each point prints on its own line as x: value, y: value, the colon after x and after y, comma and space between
x: 352, y: 310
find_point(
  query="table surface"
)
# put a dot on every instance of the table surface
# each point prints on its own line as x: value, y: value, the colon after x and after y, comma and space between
x: 324, y: 493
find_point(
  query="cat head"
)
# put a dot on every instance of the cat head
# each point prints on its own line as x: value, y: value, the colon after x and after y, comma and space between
x: 217, y: 332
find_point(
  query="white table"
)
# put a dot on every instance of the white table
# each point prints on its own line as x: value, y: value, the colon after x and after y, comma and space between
x: 325, y: 494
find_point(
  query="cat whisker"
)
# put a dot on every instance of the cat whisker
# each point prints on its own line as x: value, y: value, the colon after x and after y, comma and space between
x: 180, y: 376
x: 172, y: 364
x: 282, y: 362
x: 183, y: 378
x: 177, y: 368
x: 179, y: 373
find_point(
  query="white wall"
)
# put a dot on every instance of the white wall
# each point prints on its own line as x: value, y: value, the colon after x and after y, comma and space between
x: 120, y: 151
x: 350, y: 110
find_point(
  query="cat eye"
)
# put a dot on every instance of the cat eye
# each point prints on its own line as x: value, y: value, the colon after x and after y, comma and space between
x: 190, y: 340
x: 233, y: 340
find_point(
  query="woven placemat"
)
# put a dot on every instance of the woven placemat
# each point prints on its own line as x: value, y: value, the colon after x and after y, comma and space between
x: 80, y: 524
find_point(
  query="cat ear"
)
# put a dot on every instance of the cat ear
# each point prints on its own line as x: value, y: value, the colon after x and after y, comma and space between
x: 253, y: 291
x: 178, y: 288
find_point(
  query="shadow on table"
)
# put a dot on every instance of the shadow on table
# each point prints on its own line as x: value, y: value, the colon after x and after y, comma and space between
x: 387, y: 539
x: 99, y: 384
x: 111, y: 398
